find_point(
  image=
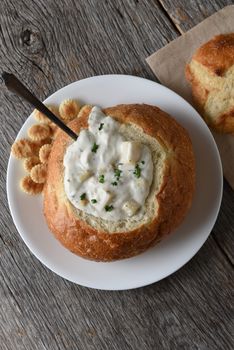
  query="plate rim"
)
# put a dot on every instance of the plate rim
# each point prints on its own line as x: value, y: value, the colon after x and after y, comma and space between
x: 152, y: 280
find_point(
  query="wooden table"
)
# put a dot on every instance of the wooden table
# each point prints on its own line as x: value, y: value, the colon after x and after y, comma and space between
x: 50, y: 44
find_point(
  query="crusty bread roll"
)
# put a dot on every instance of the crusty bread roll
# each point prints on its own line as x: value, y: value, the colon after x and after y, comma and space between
x: 211, y: 73
x: 170, y: 193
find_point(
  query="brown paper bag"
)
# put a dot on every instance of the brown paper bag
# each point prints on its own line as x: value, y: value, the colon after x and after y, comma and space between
x: 168, y: 64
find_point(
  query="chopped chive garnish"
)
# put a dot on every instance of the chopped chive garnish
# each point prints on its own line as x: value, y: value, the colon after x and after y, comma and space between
x: 94, y: 201
x: 101, y: 179
x: 142, y: 162
x: 117, y: 173
x: 114, y: 183
x: 95, y: 147
x: 137, y: 171
x: 109, y: 207
x: 101, y: 126
x: 83, y: 196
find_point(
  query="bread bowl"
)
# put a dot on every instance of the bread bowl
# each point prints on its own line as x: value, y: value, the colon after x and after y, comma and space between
x: 211, y: 74
x: 170, y: 191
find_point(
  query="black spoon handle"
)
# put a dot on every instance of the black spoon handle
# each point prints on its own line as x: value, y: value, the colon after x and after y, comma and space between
x: 13, y: 84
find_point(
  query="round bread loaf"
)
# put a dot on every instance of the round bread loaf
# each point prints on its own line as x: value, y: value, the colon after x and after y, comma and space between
x: 169, y: 199
x: 211, y: 73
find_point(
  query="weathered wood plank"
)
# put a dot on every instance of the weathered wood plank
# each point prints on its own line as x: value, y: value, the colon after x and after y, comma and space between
x: 188, y: 310
x: 223, y: 231
x: 186, y: 14
x: 51, y: 44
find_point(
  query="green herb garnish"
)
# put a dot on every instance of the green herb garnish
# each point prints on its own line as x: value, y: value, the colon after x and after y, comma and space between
x: 95, y: 147
x: 137, y: 171
x: 101, y: 126
x: 114, y: 183
x: 83, y: 196
x: 94, y: 201
x: 101, y: 179
x: 109, y: 207
x: 117, y: 173
x: 142, y: 162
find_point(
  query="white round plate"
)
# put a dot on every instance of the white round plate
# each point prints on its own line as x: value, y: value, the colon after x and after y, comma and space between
x: 169, y: 255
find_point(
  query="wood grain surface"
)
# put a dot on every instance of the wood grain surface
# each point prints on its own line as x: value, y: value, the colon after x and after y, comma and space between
x: 185, y: 14
x: 50, y: 44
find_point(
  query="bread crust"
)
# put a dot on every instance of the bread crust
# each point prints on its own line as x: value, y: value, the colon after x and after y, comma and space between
x: 216, y: 57
x: 174, y: 197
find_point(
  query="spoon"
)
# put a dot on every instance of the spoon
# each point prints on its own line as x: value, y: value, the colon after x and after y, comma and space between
x: 13, y: 84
